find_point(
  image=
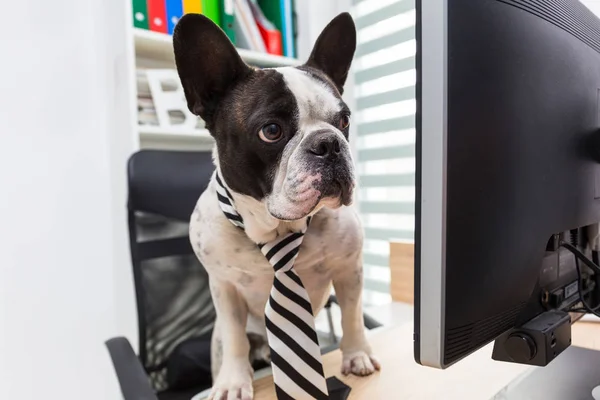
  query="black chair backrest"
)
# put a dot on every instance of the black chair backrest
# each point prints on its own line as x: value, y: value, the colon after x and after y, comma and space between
x: 172, y: 292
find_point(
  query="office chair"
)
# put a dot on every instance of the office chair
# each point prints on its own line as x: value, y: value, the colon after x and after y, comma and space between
x: 175, y: 311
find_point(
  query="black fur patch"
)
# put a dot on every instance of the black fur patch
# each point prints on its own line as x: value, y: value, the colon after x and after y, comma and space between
x: 248, y: 164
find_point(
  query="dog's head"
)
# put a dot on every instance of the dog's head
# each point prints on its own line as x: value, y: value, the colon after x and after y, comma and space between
x: 281, y: 133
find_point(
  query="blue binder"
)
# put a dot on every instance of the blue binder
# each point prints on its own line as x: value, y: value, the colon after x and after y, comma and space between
x: 288, y: 28
x: 174, y: 12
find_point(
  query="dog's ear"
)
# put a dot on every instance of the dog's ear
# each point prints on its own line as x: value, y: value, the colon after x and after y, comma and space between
x: 207, y: 63
x: 334, y: 49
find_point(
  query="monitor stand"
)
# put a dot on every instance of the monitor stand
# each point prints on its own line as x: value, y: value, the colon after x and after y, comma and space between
x: 574, y: 375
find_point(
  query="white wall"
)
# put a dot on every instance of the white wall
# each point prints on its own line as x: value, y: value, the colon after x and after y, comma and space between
x: 313, y: 16
x: 593, y: 5
x: 65, y: 281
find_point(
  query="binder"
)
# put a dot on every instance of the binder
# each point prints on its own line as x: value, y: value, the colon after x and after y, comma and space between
x: 227, y: 12
x: 192, y: 6
x: 288, y: 28
x: 174, y: 12
x: 280, y: 12
x: 271, y: 36
x: 157, y: 15
x: 140, y: 14
x: 294, y: 29
x: 247, y: 34
x: 210, y: 8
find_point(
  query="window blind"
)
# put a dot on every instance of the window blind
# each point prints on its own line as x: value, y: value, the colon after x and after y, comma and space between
x: 384, y: 79
x: 593, y: 5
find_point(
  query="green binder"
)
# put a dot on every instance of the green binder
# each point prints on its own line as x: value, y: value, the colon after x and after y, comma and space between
x: 227, y: 17
x: 140, y: 14
x: 294, y: 28
x: 281, y: 13
x: 210, y: 8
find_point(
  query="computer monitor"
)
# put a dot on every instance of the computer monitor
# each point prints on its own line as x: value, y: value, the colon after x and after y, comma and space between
x: 508, y: 108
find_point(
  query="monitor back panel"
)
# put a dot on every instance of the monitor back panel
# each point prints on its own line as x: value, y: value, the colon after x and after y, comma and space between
x: 523, y: 99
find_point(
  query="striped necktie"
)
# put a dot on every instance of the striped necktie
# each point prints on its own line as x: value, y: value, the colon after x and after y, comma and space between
x: 295, y: 352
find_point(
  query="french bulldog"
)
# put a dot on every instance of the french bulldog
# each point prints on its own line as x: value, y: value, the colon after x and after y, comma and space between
x: 282, y: 151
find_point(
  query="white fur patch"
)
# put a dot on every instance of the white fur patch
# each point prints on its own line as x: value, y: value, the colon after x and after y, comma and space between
x: 316, y: 101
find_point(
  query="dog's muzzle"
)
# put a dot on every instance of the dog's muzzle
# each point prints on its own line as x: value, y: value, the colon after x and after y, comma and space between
x: 318, y: 171
x: 329, y: 153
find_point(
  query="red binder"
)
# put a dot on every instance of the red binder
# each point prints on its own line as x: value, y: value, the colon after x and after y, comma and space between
x: 157, y: 15
x: 271, y: 36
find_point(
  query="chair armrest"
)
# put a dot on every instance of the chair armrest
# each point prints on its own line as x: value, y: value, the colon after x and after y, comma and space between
x: 133, y: 380
x: 330, y: 348
x: 370, y: 322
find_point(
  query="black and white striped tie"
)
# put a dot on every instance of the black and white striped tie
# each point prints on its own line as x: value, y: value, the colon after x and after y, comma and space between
x: 295, y: 352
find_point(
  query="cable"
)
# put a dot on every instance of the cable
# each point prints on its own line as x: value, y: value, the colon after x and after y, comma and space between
x: 588, y: 308
x: 581, y: 309
x: 580, y: 256
x: 596, y: 260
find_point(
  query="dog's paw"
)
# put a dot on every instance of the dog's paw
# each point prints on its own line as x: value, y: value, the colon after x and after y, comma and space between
x: 359, y: 363
x: 233, y: 383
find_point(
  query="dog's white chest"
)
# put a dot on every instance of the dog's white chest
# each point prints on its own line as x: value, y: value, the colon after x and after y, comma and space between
x: 242, y: 264
x: 229, y: 256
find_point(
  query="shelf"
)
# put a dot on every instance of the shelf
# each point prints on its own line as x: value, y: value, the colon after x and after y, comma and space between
x: 154, y: 137
x: 182, y: 134
x: 158, y: 46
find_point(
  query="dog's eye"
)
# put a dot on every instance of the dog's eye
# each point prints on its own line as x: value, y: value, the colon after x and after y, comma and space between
x: 344, y: 122
x: 270, y: 133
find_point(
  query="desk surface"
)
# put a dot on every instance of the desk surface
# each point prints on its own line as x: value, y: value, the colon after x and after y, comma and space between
x: 476, y: 377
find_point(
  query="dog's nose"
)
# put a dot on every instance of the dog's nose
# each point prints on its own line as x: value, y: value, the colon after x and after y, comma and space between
x: 325, y: 146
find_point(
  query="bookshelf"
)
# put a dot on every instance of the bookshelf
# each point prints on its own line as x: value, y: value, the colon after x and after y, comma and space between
x: 154, y: 50
x: 159, y: 47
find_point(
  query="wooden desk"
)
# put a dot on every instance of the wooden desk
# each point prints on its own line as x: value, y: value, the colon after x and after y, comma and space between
x: 476, y: 377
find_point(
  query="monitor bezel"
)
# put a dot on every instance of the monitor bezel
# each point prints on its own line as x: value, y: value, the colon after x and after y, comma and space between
x: 430, y: 205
